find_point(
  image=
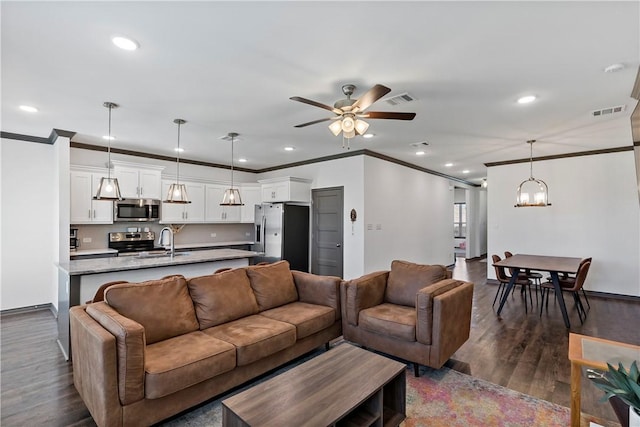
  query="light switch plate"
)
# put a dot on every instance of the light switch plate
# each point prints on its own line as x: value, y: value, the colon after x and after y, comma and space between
x: 86, y: 240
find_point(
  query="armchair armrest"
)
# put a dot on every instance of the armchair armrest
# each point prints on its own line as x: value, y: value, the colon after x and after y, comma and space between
x: 130, y: 344
x: 362, y: 293
x: 321, y: 290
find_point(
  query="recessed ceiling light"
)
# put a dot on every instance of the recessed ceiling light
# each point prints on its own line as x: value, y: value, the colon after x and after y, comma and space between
x: 526, y: 99
x: 125, y: 43
x: 448, y: 165
x: 28, y: 108
x: 242, y: 160
x: 108, y: 138
x: 179, y: 150
x: 613, y: 68
x: 420, y: 153
x: 368, y: 135
x: 289, y: 148
x: 465, y: 171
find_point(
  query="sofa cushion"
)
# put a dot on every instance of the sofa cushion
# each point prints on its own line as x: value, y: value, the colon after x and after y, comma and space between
x: 272, y: 284
x: 389, y: 319
x: 255, y: 337
x: 222, y: 297
x: 177, y: 363
x: 163, y: 307
x: 307, y: 318
x: 407, y: 278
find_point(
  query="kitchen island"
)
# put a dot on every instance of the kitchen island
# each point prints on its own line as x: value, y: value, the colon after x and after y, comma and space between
x: 78, y: 280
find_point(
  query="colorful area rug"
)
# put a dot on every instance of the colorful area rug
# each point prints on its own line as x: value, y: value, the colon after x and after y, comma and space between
x: 441, y: 397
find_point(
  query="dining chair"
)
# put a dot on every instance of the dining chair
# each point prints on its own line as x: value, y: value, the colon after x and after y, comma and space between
x: 504, y: 279
x: 535, y: 277
x: 567, y: 280
x: 574, y: 287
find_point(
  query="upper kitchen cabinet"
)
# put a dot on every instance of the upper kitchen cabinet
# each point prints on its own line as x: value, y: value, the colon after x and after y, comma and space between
x: 251, y: 196
x: 85, y: 210
x: 287, y: 189
x: 178, y: 213
x: 213, y: 211
x: 138, y: 181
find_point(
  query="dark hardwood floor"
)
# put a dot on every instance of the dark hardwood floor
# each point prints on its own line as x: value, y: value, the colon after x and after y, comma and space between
x: 520, y: 351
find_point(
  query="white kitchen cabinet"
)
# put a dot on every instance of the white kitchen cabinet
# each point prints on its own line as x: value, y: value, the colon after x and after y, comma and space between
x: 178, y: 213
x: 287, y: 189
x: 213, y: 211
x: 85, y: 210
x: 138, y: 182
x: 251, y: 196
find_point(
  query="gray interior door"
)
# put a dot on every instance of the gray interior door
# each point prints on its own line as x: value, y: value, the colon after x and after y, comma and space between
x: 326, y: 253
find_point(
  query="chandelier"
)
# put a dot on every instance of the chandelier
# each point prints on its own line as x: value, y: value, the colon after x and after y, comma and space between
x: 532, y: 192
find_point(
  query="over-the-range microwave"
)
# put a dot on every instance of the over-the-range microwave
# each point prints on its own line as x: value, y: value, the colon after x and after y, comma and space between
x: 134, y: 210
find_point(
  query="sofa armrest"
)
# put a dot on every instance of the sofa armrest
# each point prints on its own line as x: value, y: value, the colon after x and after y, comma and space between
x: 130, y: 344
x: 445, y: 321
x: 362, y: 293
x: 95, y: 371
x: 316, y: 289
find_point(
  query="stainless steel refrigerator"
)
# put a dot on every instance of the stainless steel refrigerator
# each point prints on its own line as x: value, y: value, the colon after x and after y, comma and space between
x: 282, y: 233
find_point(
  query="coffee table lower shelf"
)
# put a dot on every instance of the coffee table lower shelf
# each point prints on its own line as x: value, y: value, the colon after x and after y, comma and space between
x: 344, y: 387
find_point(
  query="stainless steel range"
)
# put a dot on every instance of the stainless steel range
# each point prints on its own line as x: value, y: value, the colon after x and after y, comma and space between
x: 131, y: 244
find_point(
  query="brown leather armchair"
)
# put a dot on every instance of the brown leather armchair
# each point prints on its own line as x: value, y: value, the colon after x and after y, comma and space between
x: 415, y: 312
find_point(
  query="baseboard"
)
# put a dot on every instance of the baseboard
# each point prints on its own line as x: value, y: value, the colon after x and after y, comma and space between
x: 589, y: 293
x: 30, y: 308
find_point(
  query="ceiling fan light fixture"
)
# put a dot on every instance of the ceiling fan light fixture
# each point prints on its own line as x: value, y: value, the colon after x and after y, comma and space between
x: 361, y: 127
x: 109, y: 189
x: 348, y: 124
x: 335, y: 127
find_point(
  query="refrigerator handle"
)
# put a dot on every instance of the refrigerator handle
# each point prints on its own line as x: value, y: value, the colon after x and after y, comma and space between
x: 264, y: 228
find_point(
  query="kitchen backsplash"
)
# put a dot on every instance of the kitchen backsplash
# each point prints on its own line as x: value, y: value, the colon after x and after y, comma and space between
x: 190, y: 233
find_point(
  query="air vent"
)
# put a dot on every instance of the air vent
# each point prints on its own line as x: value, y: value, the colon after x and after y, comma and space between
x: 403, y: 98
x: 609, y: 110
x: 419, y: 144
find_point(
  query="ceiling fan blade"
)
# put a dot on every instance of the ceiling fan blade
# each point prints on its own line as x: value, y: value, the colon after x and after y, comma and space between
x: 313, y: 122
x: 387, y: 115
x: 375, y: 93
x: 315, y: 104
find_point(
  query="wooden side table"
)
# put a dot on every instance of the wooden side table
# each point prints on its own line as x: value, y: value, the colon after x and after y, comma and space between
x: 594, y: 353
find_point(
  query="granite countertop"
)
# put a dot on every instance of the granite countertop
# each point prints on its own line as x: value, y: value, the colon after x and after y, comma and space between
x: 106, y: 265
x: 211, y: 244
x: 80, y: 252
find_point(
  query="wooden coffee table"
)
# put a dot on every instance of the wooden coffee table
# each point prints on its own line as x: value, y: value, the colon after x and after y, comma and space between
x: 346, y: 386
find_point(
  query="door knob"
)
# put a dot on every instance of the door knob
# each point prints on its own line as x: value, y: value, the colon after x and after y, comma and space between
x: 338, y: 245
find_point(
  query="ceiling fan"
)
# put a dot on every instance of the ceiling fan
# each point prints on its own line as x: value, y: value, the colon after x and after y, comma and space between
x: 349, y: 112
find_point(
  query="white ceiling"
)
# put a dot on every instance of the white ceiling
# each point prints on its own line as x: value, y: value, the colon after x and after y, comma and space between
x: 232, y: 66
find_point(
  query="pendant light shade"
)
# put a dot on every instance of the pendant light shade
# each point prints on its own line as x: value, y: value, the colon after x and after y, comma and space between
x: 532, y: 192
x: 178, y: 192
x: 108, y: 188
x: 231, y: 195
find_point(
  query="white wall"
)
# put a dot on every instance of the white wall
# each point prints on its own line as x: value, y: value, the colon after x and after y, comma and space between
x: 594, y: 213
x: 29, y: 224
x: 348, y: 173
x: 411, y: 216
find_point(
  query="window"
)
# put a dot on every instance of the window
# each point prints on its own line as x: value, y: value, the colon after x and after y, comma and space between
x: 460, y: 220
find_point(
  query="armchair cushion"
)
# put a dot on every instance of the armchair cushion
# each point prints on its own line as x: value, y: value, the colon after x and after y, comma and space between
x: 163, y: 307
x: 407, y: 278
x: 272, y: 284
x: 396, y: 321
x: 222, y: 297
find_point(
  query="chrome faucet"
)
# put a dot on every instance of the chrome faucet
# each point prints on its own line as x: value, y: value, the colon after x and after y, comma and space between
x: 172, y: 251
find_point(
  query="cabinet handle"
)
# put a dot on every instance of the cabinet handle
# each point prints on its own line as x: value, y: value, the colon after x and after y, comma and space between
x: 89, y: 213
x: 186, y: 215
x: 141, y: 191
x: 94, y: 213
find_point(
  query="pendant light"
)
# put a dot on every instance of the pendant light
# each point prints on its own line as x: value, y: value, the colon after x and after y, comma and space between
x: 178, y: 192
x: 532, y: 192
x: 108, y: 188
x: 231, y: 195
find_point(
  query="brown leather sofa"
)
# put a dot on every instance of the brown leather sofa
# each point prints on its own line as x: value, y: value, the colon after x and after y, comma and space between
x: 153, y: 349
x: 414, y: 312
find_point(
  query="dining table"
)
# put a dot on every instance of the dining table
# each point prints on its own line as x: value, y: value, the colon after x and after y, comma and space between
x: 554, y: 265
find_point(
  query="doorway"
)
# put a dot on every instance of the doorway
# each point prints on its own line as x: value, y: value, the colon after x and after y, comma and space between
x: 327, y: 231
